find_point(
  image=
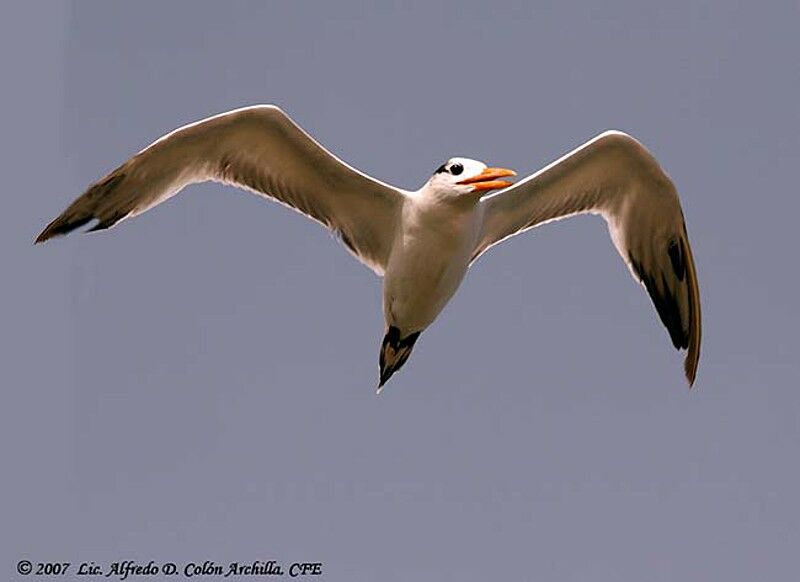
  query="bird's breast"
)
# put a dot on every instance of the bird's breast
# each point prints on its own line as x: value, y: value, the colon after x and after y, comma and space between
x: 426, y: 266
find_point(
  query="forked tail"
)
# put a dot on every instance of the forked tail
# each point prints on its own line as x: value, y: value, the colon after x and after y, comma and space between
x: 394, y: 353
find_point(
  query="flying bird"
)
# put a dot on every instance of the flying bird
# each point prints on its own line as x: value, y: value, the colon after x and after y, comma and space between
x: 421, y: 242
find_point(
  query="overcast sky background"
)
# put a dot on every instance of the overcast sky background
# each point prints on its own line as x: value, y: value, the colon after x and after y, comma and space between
x: 199, y: 382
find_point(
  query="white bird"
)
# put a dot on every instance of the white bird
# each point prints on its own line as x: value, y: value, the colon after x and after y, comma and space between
x: 421, y: 242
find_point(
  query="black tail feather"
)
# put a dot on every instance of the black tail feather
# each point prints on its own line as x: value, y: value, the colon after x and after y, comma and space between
x: 394, y: 353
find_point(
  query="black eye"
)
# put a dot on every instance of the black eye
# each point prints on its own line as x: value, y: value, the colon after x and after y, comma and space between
x: 456, y: 169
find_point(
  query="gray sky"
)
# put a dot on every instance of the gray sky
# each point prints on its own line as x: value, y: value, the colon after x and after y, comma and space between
x: 199, y: 382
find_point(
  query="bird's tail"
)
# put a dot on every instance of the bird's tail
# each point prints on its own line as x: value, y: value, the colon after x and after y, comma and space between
x: 394, y: 353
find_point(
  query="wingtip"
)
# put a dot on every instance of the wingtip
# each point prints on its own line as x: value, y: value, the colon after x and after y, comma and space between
x: 44, y: 236
x: 63, y: 224
x: 690, y: 368
x: 695, y: 330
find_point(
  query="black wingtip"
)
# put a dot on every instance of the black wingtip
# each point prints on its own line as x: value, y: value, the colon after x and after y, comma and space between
x: 690, y: 362
x: 85, y: 208
x: 695, y: 318
x: 59, y: 227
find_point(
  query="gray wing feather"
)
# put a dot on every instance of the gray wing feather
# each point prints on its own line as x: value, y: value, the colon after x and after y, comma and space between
x: 615, y: 176
x: 256, y: 148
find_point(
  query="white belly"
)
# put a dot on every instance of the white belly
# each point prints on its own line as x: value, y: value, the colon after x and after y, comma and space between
x: 428, y: 262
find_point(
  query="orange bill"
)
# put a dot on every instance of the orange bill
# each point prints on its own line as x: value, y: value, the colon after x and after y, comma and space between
x: 486, y: 180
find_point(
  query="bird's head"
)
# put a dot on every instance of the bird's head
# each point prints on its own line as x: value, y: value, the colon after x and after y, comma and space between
x: 464, y: 176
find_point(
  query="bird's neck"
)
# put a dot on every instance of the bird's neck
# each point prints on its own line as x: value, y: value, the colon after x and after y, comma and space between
x: 428, y: 195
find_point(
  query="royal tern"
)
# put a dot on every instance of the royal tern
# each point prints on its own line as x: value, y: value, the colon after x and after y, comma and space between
x: 422, y: 242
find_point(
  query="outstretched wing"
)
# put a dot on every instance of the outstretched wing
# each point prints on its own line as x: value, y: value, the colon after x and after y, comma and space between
x: 256, y: 148
x: 615, y: 176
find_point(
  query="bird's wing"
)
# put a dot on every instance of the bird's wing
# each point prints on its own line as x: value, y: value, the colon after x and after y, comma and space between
x: 615, y: 176
x: 257, y: 148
